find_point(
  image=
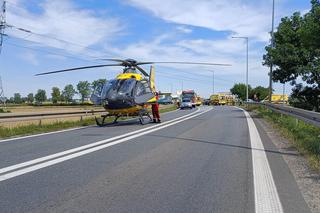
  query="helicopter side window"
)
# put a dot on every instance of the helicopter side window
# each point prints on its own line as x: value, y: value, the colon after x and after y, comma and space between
x: 140, y: 89
x: 126, y: 86
x: 146, y: 86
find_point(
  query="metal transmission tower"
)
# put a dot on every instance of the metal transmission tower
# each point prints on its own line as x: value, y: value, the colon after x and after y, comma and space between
x: 3, y: 25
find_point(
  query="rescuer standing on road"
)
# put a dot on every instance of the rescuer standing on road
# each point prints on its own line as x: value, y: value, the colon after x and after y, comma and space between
x: 155, y: 110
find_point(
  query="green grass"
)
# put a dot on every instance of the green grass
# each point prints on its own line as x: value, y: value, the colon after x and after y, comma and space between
x: 303, y: 136
x: 171, y: 108
x: 36, y: 129
x: 2, y: 110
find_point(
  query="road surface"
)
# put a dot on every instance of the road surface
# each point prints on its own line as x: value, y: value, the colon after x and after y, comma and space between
x: 210, y: 159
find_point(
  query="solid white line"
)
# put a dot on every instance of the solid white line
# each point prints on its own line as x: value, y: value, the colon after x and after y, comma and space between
x: 41, y: 134
x: 265, y: 191
x: 60, y: 131
x: 87, y: 151
x: 59, y: 154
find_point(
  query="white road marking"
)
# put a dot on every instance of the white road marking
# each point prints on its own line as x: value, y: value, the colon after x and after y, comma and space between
x: 265, y: 191
x: 41, y: 134
x: 73, y: 153
x: 60, y: 131
x: 49, y: 157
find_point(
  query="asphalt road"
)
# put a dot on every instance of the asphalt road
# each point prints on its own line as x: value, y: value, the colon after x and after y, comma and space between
x: 199, y: 160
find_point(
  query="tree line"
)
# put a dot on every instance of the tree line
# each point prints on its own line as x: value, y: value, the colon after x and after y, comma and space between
x: 258, y: 93
x: 83, y: 88
x: 296, y: 56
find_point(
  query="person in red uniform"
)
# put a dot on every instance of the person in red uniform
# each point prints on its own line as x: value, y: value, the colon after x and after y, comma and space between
x: 155, y: 110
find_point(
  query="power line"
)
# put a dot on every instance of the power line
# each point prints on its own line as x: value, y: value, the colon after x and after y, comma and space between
x: 45, y: 51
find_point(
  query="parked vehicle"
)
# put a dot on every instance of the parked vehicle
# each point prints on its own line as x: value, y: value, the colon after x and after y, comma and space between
x: 191, y: 95
x: 186, y: 103
x: 277, y: 99
x: 166, y: 100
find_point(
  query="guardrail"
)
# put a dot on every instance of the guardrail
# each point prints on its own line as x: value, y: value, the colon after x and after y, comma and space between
x: 300, y: 114
x: 41, y: 116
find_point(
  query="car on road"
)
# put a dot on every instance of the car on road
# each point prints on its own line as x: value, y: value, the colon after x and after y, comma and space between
x: 186, y: 103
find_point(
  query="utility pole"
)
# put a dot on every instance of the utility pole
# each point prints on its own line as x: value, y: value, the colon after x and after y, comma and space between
x: 247, y: 71
x: 3, y: 25
x: 272, y: 46
x: 283, y: 93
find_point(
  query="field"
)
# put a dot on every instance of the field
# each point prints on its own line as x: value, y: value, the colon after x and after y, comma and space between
x: 40, y: 125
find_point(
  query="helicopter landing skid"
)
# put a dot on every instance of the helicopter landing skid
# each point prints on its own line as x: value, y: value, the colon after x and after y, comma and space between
x: 143, y: 113
x: 101, y: 121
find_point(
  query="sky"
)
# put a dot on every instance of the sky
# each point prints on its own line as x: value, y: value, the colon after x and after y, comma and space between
x: 72, y: 33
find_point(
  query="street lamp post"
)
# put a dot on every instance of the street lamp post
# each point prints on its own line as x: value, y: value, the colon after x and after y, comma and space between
x: 213, y: 82
x: 212, y: 71
x: 247, y: 72
x: 272, y: 46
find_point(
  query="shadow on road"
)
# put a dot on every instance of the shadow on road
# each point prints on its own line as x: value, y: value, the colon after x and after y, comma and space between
x: 224, y: 144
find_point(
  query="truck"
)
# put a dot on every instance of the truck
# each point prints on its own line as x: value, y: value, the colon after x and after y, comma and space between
x: 222, y: 98
x: 214, y: 99
x: 277, y: 99
x: 190, y: 94
x: 218, y: 99
x: 199, y: 101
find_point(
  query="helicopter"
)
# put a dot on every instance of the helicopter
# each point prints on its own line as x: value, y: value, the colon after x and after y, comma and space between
x: 131, y: 92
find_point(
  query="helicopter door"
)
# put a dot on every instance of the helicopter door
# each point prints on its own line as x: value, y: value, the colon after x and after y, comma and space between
x: 143, y: 92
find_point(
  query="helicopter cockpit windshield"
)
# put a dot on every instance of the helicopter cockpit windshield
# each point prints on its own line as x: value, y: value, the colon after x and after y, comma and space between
x: 123, y: 93
x: 118, y: 93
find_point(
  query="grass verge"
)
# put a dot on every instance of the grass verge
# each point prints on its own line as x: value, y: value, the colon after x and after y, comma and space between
x: 304, y: 137
x: 36, y: 129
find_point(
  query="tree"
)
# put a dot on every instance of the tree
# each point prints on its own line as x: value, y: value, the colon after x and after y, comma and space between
x: 30, y: 98
x: 259, y: 93
x: 287, y: 54
x: 56, y: 96
x: 240, y: 90
x: 40, y: 96
x: 17, y: 98
x: 68, y: 93
x: 296, y: 53
x: 97, y: 85
x: 305, y: 97
x: 84, y: 89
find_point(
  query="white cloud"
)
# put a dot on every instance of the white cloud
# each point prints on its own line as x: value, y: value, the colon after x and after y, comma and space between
x: 63, y: 20
x: 238, y: 16
x: 31, y: 58
x: 184, y: 29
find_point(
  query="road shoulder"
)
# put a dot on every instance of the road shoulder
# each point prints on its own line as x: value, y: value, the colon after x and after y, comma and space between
x: 293, y: 176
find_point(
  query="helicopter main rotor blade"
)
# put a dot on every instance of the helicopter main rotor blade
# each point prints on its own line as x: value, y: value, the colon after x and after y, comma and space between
x: 79, y: 68
x: 142, y: 70
x: 184, y: 62
x: 124, y: 62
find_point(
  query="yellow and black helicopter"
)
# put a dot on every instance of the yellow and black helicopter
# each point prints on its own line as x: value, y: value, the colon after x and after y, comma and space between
x: 130, y: 93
